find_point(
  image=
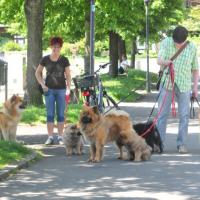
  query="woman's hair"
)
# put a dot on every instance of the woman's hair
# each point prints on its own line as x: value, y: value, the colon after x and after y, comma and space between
x: 180, y: 34
x: 56, y: 40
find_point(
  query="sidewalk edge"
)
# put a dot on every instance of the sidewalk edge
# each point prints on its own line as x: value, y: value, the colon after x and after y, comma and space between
x: 11, y: 168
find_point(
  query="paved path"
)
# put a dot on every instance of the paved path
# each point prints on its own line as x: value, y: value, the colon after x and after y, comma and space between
x: 169, y: 176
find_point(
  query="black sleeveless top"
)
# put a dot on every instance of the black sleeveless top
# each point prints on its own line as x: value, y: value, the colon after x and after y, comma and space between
x: 55, y: 78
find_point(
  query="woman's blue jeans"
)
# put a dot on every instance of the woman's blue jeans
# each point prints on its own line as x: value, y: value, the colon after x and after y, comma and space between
x: 55, y: 98
x: 183, y: 100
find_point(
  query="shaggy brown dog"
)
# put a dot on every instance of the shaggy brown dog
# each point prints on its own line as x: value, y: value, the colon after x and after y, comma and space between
x: 10, y: 117
x: 101, y: 129
x: 73, y: 140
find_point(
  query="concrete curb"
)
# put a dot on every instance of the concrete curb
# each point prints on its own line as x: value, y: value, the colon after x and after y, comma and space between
x: 10, y: 169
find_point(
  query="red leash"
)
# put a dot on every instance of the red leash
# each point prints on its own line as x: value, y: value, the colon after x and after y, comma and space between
x: 171, y: 69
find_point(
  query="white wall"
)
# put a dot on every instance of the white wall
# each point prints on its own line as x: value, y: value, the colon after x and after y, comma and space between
x: 15, y: 74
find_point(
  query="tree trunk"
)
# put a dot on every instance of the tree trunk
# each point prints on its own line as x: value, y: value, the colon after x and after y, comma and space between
x: 113, y: 49
x: 34, y: 11
x: 87, y: 38
x: 133, y: 53
x: 121, y: 48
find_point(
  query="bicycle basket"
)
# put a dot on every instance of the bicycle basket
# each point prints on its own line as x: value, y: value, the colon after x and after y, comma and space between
x: 85, y: 81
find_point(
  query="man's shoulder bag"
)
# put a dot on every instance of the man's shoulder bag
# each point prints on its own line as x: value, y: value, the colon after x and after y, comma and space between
x: 160, y: 73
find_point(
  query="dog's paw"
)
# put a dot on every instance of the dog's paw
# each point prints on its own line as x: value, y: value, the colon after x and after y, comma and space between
x: 90, y: 160
x: 96, y: 160
x: 137, y: 160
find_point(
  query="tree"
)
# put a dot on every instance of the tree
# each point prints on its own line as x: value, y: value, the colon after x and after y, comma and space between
x: 192, y: 21
x: 34, y: 11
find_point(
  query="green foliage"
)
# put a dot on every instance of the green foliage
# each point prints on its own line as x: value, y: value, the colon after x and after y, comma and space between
x: 11, y: 151
x: 74, y: 48
x: 4, y: 40
x: 12, y: 14
x: 67, y: 18
x: 12, y: 46
x: 67, y: 49
x: 78, y: 48
x: 101, y: 47
x: 192, y: 20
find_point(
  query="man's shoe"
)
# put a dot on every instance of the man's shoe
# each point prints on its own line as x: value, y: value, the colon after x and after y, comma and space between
x: 49, y: 141
x: 182, y: 149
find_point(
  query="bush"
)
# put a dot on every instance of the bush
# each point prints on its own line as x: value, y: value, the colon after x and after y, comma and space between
x: 101, y: 47
x: 73, y: 49
x: 66, y: 49
x: 12, y: 46
x: 78, y: 48
x: 4, y: 40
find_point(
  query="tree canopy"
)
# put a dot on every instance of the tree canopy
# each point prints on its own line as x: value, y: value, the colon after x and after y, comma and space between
x: 67, y: 18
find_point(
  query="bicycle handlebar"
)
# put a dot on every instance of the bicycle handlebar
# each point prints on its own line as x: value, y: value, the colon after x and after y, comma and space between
x: 104, y: 65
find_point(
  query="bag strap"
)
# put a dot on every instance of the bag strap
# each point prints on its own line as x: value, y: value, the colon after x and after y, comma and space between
x: 179, y: 51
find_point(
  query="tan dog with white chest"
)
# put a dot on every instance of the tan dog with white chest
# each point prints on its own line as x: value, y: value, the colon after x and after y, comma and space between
x: 10, y: 117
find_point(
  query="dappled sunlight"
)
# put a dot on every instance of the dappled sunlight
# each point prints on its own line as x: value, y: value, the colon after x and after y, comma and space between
x: 166, y: 174
x: 137, y: 104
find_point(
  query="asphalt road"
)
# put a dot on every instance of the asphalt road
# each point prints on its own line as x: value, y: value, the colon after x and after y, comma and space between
x: 169, y: 176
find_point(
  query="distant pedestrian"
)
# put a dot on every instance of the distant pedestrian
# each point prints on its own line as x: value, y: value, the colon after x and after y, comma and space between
x: 123, y: 65
x: 186, y: 68
x: 55, y: 87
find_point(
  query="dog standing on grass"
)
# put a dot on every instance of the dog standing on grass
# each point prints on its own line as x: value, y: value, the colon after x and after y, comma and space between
x: 10, y: 117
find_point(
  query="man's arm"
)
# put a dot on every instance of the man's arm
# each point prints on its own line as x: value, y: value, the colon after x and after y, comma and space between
x: 162, y: 62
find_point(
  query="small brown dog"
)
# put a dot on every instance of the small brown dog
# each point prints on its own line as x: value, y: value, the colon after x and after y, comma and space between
x: 10, y: 117
x: 114, y: 126
x: 137, y: 149
x: 73, y: 140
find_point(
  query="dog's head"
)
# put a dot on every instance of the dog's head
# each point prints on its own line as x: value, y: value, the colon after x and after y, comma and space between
x: 89, y: 115
x: 14, y: 103
x: 72, y: 130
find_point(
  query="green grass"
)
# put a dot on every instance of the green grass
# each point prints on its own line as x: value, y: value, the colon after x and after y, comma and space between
x: 121, y: 86
x: 11, y: 151
x: 37, y: 115
x: 118, y: 88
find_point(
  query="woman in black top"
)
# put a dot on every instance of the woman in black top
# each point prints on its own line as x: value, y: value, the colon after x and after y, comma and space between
x: 57, y: 70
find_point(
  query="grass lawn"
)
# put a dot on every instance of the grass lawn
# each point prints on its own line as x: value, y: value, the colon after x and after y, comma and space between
x: 11, y: 151
x: 118, y: 88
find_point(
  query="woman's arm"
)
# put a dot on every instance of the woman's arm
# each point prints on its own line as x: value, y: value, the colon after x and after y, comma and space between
x: 38, y: 75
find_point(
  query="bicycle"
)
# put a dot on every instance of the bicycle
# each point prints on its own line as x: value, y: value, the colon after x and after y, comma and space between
x: 93, y: 91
